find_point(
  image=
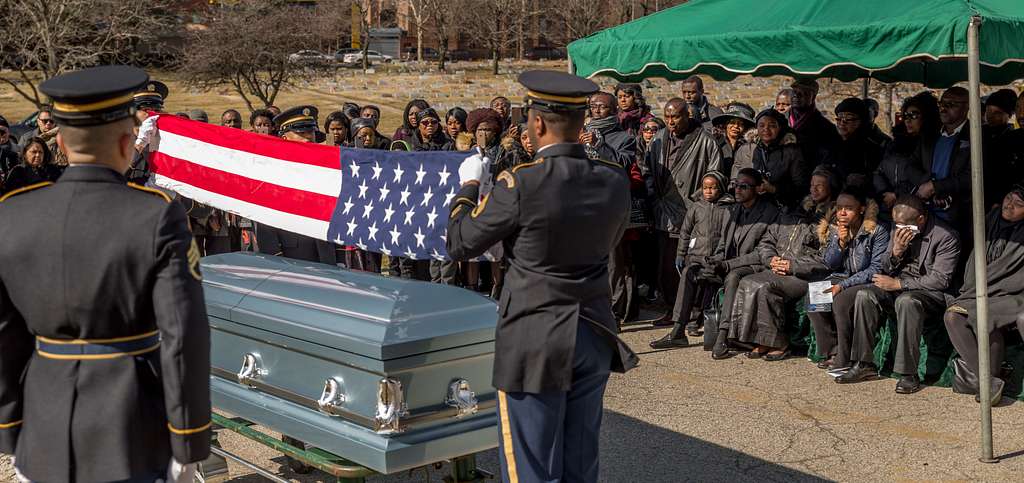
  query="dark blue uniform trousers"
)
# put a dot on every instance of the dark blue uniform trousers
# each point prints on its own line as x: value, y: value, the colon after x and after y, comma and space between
x: 553, y: 436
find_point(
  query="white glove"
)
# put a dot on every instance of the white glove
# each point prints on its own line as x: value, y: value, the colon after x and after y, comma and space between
x: 148, y: 134
x: 17, y: 473
x: 473, y: 168
x: 179, y: 473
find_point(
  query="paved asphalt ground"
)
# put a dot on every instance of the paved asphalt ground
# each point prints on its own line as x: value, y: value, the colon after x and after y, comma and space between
x: 682, y: 417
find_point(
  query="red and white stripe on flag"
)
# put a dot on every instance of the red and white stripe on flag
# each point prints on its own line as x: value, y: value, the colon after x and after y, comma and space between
x: 285, y: 184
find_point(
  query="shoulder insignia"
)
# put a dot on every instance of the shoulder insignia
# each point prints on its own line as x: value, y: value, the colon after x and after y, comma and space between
x: 480, y: 208
x: 524, y: 165
x: 609, y: 163
x: 510, y: 181
x: 151, y: 190
x: 193, y: 260
x: 25, y: 189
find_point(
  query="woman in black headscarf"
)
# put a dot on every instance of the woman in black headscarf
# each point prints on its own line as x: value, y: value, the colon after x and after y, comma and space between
x: 429, y: 136
x: 365, y: 135
x: 407, y: 132
x: 1004, y: 257
x: 775, y: 154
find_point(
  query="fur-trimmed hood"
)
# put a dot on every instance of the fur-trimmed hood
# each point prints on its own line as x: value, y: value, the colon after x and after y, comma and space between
x: 869, y: 225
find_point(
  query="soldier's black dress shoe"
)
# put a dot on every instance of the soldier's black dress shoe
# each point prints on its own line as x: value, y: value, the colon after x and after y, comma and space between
x: 908, y: 384
x: 721, y: 349
x: 671, y: 341
x: 861, y: 371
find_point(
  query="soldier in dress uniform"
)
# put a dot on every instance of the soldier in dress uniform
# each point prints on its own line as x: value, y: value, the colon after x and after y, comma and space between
x: 104, y: 340
x: 296, y: 124
x: 558, y: 217
x: 149, y: 99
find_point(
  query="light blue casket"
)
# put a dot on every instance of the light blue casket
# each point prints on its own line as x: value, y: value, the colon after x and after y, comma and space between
x: 391, y: 374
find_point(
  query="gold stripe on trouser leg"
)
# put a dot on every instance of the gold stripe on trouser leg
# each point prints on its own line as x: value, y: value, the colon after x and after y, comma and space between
x: 506, y: 438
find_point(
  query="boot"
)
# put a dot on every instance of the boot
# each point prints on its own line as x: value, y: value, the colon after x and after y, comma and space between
x: 721, y: 349
x: 675, y: 339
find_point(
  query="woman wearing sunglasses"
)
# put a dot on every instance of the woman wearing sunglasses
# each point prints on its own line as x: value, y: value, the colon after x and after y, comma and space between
x: 898, y: 174
x: 776, y: 155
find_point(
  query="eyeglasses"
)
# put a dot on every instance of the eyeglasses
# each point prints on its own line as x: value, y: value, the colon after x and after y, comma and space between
x: 429, y: 122
x: 912, y: 116
x: 46, y: 121
x: 650, y: 129
x: 847, y: 119
x: 744, y: 186
x: 951, y: 104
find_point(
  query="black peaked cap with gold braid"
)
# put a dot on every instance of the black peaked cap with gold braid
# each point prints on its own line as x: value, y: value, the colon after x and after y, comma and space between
x: 297, y: 119
x: 94, y: 96
x: 552, y: 91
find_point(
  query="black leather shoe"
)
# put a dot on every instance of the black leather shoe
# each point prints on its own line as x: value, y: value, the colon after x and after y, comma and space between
x: 861, y: 371
x: 908, y: 384
x: 670, y: 342
x: 997, y: 391
x: 721, y: 350
x: 778, y: 356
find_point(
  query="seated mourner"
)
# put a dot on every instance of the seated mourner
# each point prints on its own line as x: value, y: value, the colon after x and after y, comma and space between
x: 698, y: 238
x: 855, y: 246
x: 915, y: 278
x: 789, y: 252
x: 737, y: 255
x: 1004, y: 257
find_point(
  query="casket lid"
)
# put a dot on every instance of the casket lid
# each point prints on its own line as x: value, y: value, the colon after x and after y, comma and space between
x: 377, y: 317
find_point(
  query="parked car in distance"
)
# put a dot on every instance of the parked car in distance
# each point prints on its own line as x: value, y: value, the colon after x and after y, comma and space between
x: 428, y: 53
x: 310, y: 57
x: 545, y: 53
x: 459, y: 55
x: 371, y: 55
x: 340, y: 54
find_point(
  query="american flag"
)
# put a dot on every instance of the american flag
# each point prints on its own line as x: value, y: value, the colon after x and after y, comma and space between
x: 395, y: 203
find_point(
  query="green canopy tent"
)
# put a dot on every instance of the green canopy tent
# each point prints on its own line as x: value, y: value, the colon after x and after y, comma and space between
x: 934, y: 42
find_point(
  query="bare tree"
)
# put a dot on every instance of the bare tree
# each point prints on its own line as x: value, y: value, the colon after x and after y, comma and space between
x: 238, y: 49
x: 443, y: 17
x: 44, y: 38
x: 419, y: 12
x: 493, y: 25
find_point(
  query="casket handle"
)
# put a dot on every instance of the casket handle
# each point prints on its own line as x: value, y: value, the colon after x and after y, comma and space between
x: 252, y: 369
x: 332, y: 398
x: 462, y: 398
x: 390, y: 406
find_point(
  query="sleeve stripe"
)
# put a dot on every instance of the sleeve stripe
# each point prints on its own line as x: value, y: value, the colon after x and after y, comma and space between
x: 186, y: 432
x: 11, y: 424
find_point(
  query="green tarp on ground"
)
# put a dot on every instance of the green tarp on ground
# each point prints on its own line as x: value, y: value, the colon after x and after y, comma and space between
x: 922, y: 41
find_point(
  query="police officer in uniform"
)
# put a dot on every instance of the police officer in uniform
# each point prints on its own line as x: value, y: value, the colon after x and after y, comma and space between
x: 104, y: 340
x: 558, y: 217
x: 296, y: 124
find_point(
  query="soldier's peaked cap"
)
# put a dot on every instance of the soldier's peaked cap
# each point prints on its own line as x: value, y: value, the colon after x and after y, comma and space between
x: 152, y: 94
x: 297, y: 119
x: 98, y: 95
x: 549, y: 90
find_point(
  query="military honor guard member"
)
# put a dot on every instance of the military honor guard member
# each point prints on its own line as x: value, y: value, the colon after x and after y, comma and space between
x: 104, y: 340
x: 558, y: 218
x: 296, y: 124
x: 148, y: 100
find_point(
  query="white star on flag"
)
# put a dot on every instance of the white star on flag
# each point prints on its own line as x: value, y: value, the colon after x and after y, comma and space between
x: 444, y: 174
x: 367, y: 209
x: 409, y: 253
x: 448, y: 196
x: 419, y: 236
x: 385, y: 251
x: 373, y: 231
x: 348, y: 206
x: 352, y: 226
x: 431, y: 216
x: 426, y: 197
x: 408, y: 216
x: 387, y: 213
x: 405, y: 196
x: 436, y: 255
x: 384, y: 192
x: 355, y: 168
x: 420, y: 174
x: 362, y: 189
x: 398, y: 173
x: 361, y: 245
x: 394, y: 234
x: 376, y: 170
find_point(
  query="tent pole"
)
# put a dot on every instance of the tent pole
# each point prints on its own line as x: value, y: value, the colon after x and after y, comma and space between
x: 978, y: 221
